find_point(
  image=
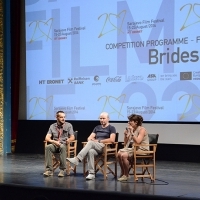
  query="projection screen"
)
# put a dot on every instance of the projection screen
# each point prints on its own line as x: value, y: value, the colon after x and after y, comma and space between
x: 122, y: 57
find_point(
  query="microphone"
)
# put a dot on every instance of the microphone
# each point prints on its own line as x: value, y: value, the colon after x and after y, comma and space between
x: 128, y: 132
x: 59, y: 126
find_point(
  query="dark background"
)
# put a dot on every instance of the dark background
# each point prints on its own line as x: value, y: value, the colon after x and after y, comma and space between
x: 31, y: 134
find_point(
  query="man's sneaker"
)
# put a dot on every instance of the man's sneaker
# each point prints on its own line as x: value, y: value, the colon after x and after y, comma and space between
x: 90, y: 177
x: 61, y: 173
x: 73, y: 160
x: 48, y: 173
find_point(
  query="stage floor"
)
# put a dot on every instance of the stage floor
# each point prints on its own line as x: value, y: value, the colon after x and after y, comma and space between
x: 173, y: 179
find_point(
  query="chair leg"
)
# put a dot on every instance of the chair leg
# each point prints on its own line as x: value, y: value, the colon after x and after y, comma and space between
x: 74, y: 169
x: 84, y: 167
x: 115, y: 170
x: 56, y: 162
x: 105, y: 168
x: 68, y: 168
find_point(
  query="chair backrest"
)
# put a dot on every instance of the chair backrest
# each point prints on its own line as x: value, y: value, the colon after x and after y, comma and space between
x: 153, y: 139
x: 75, y: 135
x: 116, y: 137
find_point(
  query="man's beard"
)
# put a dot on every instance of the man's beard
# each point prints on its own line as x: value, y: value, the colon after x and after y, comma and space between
x: 61, y: 122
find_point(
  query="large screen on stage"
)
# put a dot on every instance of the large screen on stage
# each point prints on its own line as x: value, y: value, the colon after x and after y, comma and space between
x: 118, y: 56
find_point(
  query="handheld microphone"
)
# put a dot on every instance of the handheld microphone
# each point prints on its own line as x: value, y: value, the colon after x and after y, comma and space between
x: 128, y: 132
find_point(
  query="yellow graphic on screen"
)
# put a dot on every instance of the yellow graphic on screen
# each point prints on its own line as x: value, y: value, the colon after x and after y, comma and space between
x: 41, y: 29
x: 191, y: 11
x: 190, y: 100
x: 41, y: 106
x: 109, y: 21
x: 110, y: 101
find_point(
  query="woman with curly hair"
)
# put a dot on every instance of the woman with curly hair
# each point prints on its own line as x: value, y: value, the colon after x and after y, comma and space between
x: 134, y: 133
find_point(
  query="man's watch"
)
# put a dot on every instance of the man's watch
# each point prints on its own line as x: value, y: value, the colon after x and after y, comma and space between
x: 99, y: 141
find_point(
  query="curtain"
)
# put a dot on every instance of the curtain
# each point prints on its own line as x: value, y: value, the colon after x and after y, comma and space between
x: 15, y: 67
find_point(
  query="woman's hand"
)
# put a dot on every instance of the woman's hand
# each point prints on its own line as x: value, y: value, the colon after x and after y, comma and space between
x: 126, y: 131
x: 130, y: 128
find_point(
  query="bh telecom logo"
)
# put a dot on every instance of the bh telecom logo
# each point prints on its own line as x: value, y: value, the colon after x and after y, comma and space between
x: 96, y: 79
x: 185, y: 76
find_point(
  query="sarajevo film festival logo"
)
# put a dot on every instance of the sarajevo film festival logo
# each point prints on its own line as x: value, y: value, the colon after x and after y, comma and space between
x: 185, y: 75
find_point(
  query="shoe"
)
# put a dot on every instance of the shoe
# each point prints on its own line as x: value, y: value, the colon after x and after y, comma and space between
x: 123, y: 178
x: 61, y: 173
x: 73, y: 160
x: 90, y: 177
x: 48, y: 173
x: 120, y: 176
x: 123, y: 175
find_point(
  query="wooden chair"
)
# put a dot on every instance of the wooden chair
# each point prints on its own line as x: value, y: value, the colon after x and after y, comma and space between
x: 70, y: 153
x: 145, y: 160
x: 105, y: 159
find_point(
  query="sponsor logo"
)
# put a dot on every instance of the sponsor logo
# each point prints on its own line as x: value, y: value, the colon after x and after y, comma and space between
x: 70, y: 80
x: 77, y: 80
x: 133, y: 78
x: 151, y: 77
x: 167, y: 77
x: 115, y: 79
x: 185, y: 76
x: 196, y: 75
x: 96, y: 79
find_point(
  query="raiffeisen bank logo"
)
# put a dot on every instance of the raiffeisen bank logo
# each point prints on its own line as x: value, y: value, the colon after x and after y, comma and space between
x: 78, y: 80
x: 96, y: 79
x: 70, y: 81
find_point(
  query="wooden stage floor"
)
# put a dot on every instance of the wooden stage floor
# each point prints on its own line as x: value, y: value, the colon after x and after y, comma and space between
x: 21, y: 176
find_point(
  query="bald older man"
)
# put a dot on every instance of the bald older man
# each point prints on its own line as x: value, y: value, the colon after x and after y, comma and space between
x: 104, y: 133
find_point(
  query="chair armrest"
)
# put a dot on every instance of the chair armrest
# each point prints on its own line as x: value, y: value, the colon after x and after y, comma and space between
x: 84, y: 143
x: 111, y: 144
x: 146, y: 151
x: 45, y: 143
x: 137, y: 145
x: 106, y: 144
x: 73, y: 141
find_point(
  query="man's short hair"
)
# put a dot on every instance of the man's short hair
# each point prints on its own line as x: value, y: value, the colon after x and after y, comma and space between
x: 104, y: 113
x: 58, y: 112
